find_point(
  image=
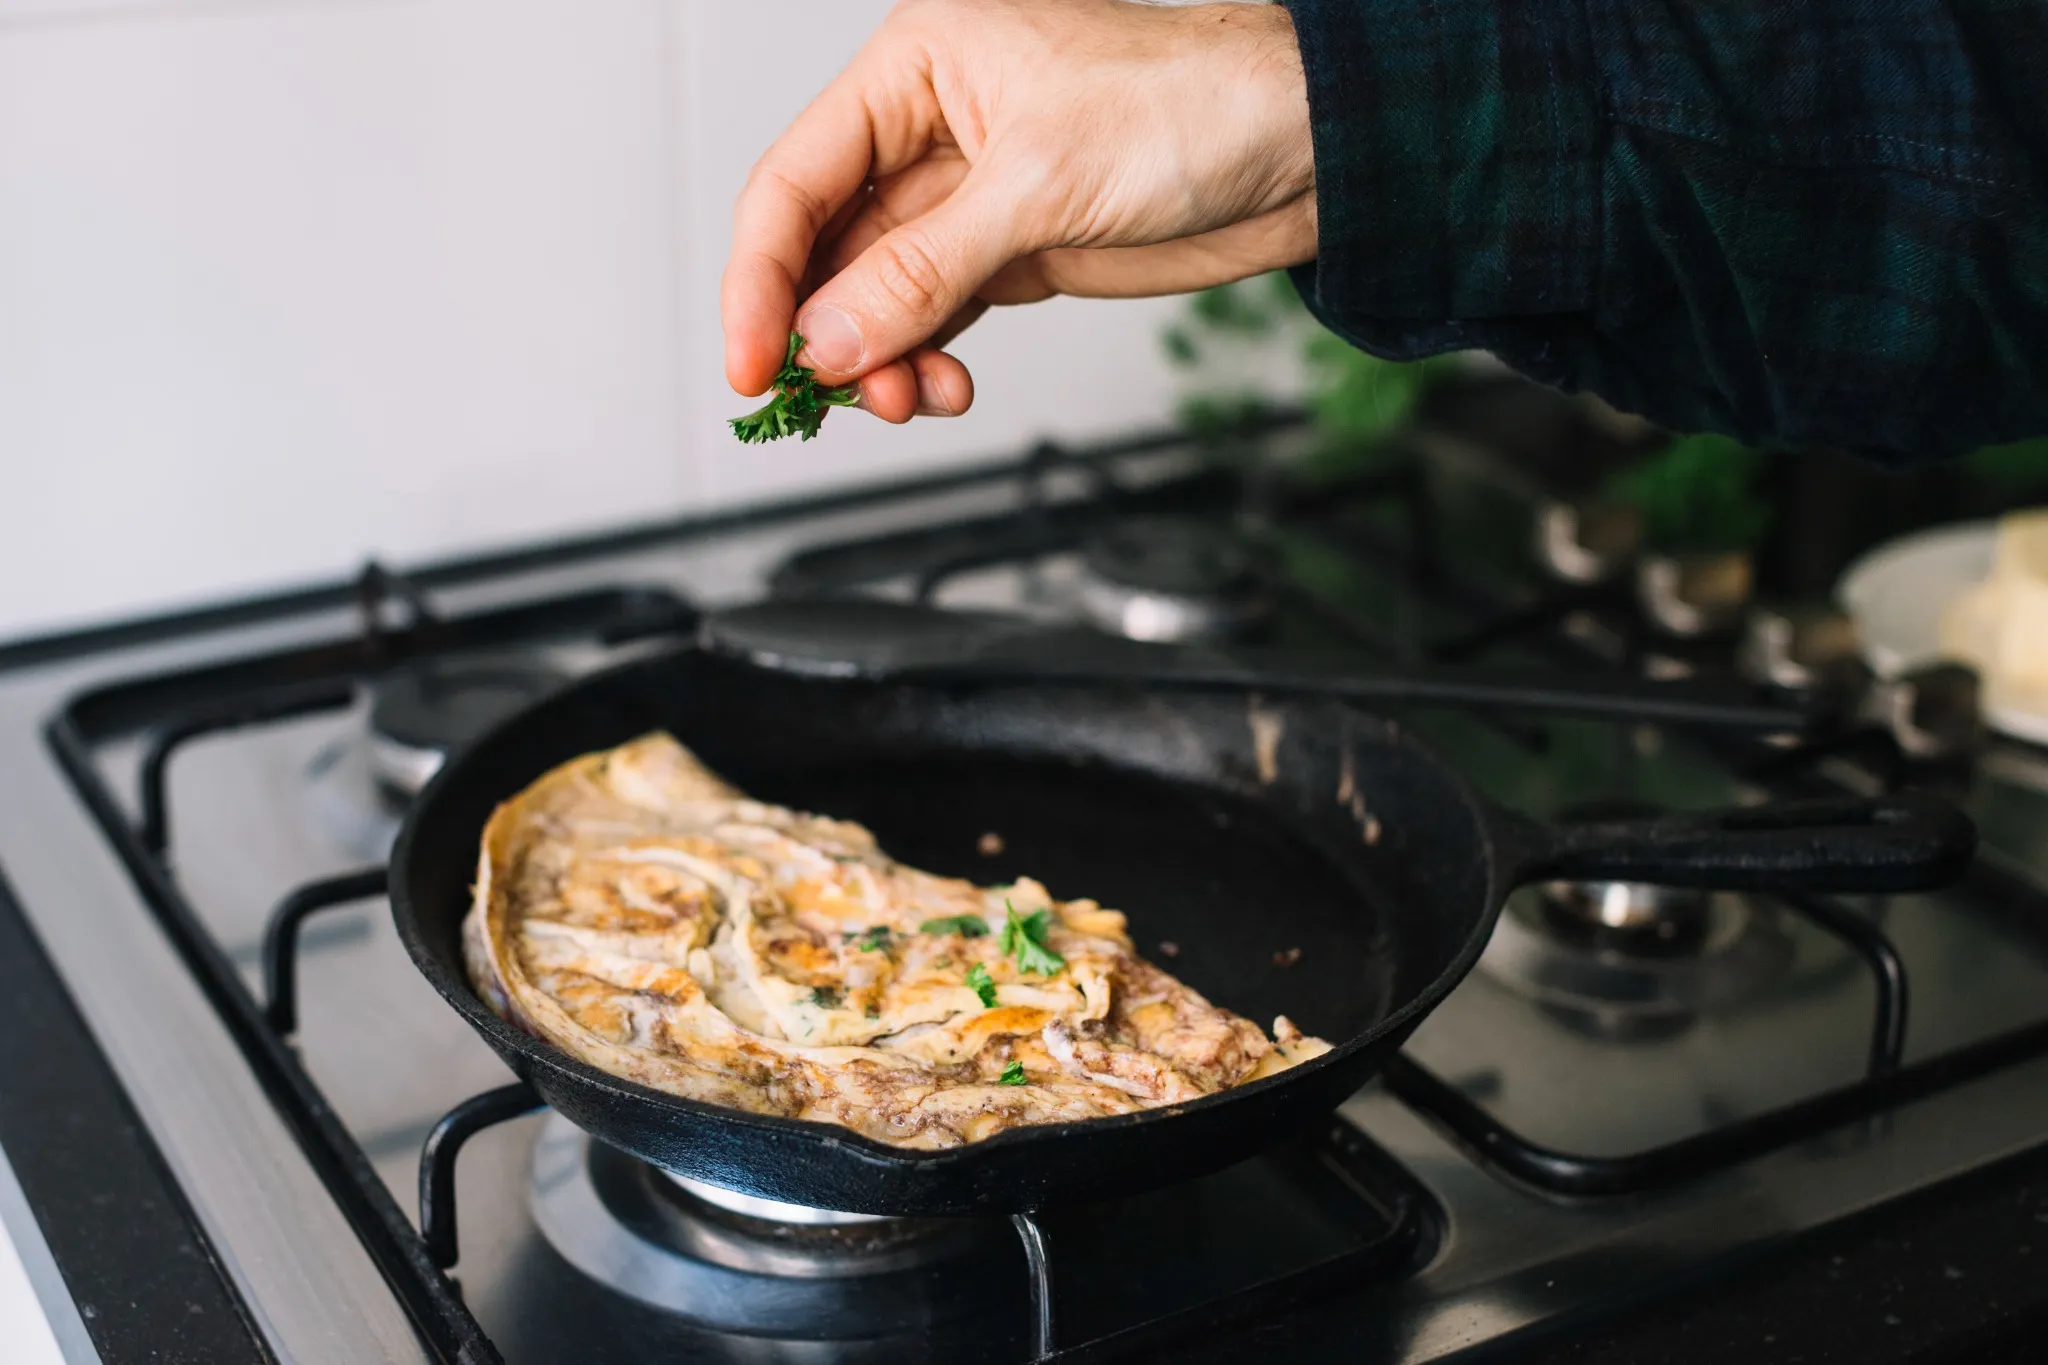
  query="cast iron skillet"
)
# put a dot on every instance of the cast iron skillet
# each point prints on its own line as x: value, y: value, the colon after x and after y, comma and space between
x: 1234, y: 829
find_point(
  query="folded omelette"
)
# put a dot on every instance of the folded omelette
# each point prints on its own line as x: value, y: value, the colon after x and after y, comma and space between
x: 635, y: 911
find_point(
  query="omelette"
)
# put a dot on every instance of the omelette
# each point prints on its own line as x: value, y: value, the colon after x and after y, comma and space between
x: 637, y: 912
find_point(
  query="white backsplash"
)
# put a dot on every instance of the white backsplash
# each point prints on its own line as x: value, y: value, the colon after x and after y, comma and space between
x: 286, y: 284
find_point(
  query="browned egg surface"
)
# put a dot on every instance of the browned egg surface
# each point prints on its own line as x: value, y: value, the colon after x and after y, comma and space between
x: 637, y: 912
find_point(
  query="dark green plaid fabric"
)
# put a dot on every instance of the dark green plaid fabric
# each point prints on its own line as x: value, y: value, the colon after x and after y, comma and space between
x: 1797, y: 222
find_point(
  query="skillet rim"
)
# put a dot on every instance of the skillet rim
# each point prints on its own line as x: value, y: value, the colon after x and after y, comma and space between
x: 1490, y: 822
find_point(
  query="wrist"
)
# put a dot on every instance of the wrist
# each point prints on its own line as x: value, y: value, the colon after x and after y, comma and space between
x: 1273, y: 93
x: 1278, y: 86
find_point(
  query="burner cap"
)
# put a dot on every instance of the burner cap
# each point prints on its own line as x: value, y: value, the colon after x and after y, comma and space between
x: 848, y: 637
x: 421, y: 712
x: 1627, y: 959
x: 767, y: 1210
x: 1630, y: 918
x: 1628, y: 983
x: 1170, y: 579
x: 650, y: 1236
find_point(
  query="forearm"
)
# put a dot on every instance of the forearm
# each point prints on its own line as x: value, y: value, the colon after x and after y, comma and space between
x: 1819, y: 223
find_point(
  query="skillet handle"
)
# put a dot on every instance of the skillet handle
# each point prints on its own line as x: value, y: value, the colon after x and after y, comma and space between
x: 1906, y: 842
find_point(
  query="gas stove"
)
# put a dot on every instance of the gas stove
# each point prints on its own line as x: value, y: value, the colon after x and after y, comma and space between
x: 1638, y: 1090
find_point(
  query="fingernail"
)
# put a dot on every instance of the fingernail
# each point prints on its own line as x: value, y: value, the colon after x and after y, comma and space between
x: 831, y: 340
x: 933, y: 400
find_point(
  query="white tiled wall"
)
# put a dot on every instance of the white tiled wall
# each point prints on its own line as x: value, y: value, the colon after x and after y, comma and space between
x: 287, y: 282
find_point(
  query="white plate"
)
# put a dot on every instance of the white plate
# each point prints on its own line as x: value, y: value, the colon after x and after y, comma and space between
x: 1896, y: 595
x: 1897, y: 592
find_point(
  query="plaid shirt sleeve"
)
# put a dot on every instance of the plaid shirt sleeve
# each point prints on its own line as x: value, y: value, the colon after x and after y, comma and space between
x: 1797, y: 222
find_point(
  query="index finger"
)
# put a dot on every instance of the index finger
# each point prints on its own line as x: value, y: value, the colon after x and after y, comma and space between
x: 796, y: 187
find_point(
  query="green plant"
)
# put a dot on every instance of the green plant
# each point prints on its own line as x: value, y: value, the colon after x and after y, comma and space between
x: 1356, y: 394
x: 1356, y: 398
x: 1697, y: 496
x: 2018, y: 470
x: 796, y: 406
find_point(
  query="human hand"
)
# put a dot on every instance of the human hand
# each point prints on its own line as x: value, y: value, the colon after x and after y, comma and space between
x: 983, y: 152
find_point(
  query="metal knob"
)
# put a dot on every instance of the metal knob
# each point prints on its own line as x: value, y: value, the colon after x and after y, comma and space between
x: 1587, y: 542
x: 1800, y: 648
x: 1697, y: 594
x: 1934, y: 711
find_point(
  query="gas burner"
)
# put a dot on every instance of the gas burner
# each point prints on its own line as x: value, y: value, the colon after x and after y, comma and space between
x: 1170, y: 579
x: 1630, y: 919
x: 1626, y: 961
x: 739, y: 1263
x: 421, y: 712
x: 358, y: 785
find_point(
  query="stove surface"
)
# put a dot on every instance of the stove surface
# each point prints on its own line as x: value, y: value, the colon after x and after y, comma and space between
x: 1622, y: 1095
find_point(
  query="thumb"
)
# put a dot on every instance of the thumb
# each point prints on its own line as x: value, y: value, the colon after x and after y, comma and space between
x: 900, y: 291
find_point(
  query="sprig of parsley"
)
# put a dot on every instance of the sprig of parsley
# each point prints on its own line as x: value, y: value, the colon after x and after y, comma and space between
x: 1024, y: 939
x: 874, y: 940
x: 796, y: 404
x: 982, y: 984
x: 1013, y: 1074
x: 967, y: 926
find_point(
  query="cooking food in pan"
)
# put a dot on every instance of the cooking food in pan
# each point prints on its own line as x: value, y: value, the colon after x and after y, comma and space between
x: 1352, y: 843
x: 637, y: 912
